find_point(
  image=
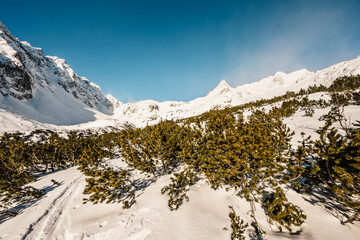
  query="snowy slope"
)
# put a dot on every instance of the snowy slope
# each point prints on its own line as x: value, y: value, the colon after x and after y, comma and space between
x: 60, y: 214
x: 281, y: 82
x: 149, y: 111
x: 45, y: 88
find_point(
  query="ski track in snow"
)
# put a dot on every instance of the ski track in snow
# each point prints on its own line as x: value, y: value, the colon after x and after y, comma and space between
x: 204, y: 217
x: 49, y: 224
x: 55, y: 222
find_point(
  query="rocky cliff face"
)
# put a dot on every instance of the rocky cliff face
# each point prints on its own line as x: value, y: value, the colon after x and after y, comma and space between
x: 24, y: 70
x: 14, y: 79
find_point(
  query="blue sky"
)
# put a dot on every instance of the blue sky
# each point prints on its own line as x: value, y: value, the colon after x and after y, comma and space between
x: 180, y: 50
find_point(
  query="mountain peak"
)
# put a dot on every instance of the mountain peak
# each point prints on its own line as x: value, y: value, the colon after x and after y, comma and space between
x: 222, y: 88
x: 223, y: 84
x: 279, y: 73
x: 116, y: 103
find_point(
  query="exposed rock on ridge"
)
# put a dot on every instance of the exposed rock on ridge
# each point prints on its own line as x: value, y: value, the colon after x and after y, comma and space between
x: 24, y: 69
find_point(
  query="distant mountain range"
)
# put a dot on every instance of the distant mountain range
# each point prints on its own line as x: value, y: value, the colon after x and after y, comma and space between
x: 38, y: 91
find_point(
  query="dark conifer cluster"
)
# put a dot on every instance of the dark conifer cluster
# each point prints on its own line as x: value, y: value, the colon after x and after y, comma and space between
x: 333, y: 163
x: 237, y: 225
x: 24, y: 159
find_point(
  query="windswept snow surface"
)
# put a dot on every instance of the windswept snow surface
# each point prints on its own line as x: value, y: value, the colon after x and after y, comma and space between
x: 60, y: 214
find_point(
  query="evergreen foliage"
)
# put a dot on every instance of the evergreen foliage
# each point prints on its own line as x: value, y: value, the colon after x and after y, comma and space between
x: 340, y: 99
x: 280, y: 210
x: 237, y: 225
x: 309, y: 112
x: 345, y: 83
x: 154, y: 149
x: 14, y: 165
x: 105, y: 183
x: 22, y: 159
x: 111, y: 185
x: 178, y: 187
x: 333, y: 162
x: 247, y: 155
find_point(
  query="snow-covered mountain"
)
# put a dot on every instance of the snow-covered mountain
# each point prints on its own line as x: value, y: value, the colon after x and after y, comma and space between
x: 45, y: 88
x: 149, y: 112
x: 44, y: 91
